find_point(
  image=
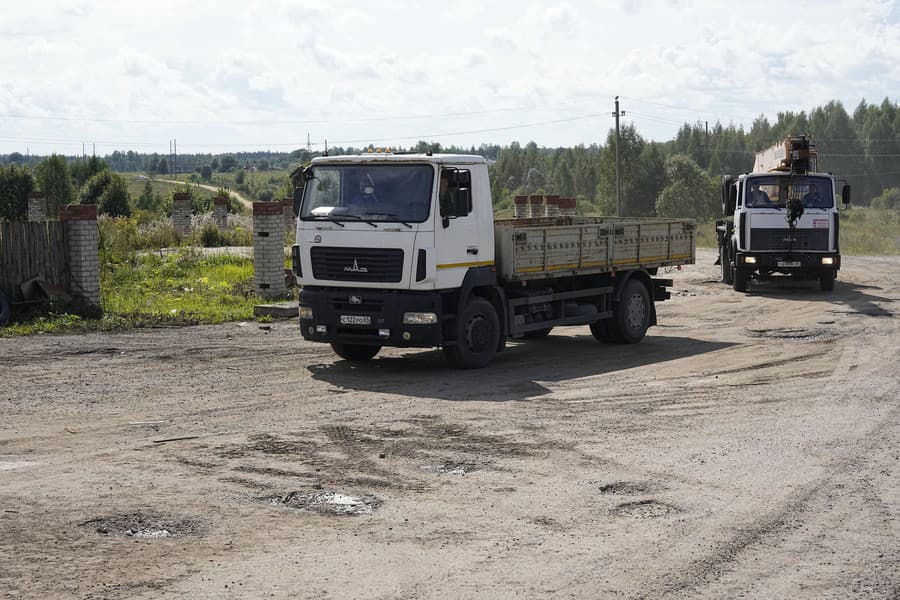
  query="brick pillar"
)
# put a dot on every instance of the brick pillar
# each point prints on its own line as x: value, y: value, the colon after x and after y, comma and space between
x: 220, y: 211
x: 288, y: 208
x: 268, y: 249
x: 551, y: 207
x: 521, y: 207
x: 181, y: 213
x: 536, y: 202
x: 567, y: 207
x: 37, y: 207
x: 82, y: 240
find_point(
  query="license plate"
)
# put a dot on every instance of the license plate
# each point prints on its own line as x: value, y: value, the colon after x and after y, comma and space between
x: 788, y: 263
x: 356, y: 320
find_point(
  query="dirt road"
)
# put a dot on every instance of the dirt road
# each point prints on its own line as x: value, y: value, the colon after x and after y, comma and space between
x: 748, y: 447
x: 248, y: 204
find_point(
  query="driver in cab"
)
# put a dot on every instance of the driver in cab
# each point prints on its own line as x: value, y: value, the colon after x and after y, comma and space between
x: 365, y: 196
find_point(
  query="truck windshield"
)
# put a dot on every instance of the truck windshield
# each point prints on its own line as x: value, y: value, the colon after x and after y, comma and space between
x: 372, y: 193
x: 774, y: 191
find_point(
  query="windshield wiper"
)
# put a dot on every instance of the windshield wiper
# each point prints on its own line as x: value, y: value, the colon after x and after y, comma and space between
x: 326, y: 219
x: 390, y: 215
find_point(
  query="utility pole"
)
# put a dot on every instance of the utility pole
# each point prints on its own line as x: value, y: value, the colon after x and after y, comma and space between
x: 175, y: 159
x: 308, y: 144
x: 707, y: 144
x: 618, y: 114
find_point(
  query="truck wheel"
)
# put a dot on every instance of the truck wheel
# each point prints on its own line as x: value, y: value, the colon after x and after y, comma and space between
x: 725, y: 261
x: 741, y: 280
x: 600, y: 331
x: 826, y: 281
x: 537, y: 334
x: 355, y: 352
x: 477, y: 335
x: 631, y: 316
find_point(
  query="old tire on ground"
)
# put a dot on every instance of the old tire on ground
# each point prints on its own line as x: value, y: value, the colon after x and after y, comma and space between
x: 725, y: 261
x: 631, y: 316
x: 355, y: 352
x: 5, y: 311
x: 741, y: 282
x: 826, y: 281
x: 477, y: 335
x: 537, y: 334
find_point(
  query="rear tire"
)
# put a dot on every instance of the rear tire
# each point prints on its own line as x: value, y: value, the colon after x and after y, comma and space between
x: 826, y: 281
x: 355, y: 352
x: 631, y: 316
x: 477, y: 335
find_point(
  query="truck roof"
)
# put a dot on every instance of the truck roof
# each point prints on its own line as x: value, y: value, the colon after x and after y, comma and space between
x: 370, y: 157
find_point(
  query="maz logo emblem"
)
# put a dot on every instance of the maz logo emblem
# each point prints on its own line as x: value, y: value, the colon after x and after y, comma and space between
x: 355, y: 299
x: 317, y: 239
x: 356, y: 268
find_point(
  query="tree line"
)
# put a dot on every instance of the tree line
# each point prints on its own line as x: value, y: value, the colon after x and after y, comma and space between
x: 679, y: 177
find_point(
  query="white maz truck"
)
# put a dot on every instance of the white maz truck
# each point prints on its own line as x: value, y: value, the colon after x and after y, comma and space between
x: 403, y: 250
x: 781, y: 218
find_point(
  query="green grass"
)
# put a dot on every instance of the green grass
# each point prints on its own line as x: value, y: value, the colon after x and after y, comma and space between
x: 149, y: 290
x: 863, y: 231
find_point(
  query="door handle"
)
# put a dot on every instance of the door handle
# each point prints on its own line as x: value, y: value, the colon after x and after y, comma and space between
x: 472, y: 250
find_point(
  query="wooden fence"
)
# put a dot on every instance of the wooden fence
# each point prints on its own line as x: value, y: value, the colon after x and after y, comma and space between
x: 29, y: 250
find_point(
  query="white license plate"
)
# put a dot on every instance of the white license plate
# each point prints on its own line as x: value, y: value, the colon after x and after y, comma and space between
x: 356, y: 320
x: 788, y: 263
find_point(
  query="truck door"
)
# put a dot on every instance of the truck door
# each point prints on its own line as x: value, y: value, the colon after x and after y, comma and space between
x: 456, y: 228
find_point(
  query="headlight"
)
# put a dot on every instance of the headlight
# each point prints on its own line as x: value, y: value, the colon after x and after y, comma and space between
x: 306, y: 313
x: 827, y: 260
x: 416, y: 318
x: 750, y: 260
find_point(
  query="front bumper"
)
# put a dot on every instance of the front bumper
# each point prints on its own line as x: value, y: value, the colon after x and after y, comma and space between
x: 783, y: 262
x: 378, y: 313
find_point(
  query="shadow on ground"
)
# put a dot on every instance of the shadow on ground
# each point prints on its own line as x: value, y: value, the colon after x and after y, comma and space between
x: 515, y: 374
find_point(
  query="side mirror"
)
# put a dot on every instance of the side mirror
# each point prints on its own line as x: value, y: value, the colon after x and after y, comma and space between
x: 845, y: 193
x: 463, y: 202
x: 298, y: 198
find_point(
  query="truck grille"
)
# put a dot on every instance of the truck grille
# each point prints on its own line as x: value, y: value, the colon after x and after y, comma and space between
x: 777, y: 240
x: 357, y: 264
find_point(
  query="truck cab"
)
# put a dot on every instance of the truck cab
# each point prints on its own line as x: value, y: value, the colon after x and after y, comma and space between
x: 784, y: 220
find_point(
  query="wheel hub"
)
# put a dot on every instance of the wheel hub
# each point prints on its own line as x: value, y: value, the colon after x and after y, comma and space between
x: 637, y: 312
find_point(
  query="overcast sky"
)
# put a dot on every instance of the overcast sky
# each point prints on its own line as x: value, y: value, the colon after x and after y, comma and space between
x: 228, y: 75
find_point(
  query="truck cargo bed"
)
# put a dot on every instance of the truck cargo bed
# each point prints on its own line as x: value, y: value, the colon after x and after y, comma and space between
x: 551, y: 247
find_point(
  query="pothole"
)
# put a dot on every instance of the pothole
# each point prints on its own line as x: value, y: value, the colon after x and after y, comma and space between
x: 449, y: 469
x: 326, y: 503
x: 626, y: 487
x: 793, y: 334
x: 145, y: 525
x: 644, y: 509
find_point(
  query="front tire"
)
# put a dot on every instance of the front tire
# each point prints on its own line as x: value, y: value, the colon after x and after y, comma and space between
x: 355, y: 352
x: 741, y: 282
x: 725, y: 262
x: 477, y: 335
x: 826, y: 281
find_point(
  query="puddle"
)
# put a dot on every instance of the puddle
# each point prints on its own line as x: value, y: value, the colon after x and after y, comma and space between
x: 145, y: 525
x: 626, y: 487
x: 326, y: 503
x: 449, y: 469
x: 793, y: 334
x: 644, y: 509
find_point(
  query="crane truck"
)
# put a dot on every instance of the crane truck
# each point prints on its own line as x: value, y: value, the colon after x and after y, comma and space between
x: 403, y: 250
x: 781, y: 218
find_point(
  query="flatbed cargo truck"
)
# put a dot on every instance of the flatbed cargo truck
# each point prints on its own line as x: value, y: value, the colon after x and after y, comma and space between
x: 403, y: 250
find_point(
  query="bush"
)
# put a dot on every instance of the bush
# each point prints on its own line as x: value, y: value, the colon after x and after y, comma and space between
x: 889, y: 199
x: 15, y: 185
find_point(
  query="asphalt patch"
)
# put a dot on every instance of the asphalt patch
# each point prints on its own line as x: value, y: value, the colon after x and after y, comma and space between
x: 644, y: 509
x: 145, y: 525
x: 326, y: 502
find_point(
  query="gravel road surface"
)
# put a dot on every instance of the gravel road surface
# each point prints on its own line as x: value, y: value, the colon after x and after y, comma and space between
x: 749, y: 447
